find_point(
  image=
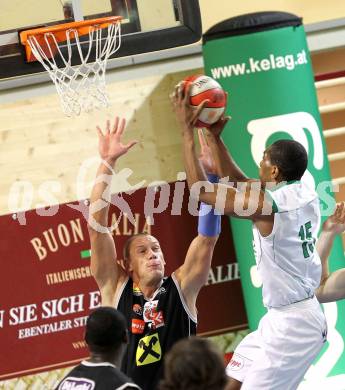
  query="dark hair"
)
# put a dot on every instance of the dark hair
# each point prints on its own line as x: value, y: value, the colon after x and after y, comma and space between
x: 105, y: 330
x: 290, y: 157
x: 128, y: 243
x: 193, y: 364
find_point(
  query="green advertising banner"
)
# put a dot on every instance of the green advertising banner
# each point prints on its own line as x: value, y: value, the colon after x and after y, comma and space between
x: 268, y: 76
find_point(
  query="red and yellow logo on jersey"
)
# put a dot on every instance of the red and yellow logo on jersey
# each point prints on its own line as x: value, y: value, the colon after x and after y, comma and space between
x: 150, y: 314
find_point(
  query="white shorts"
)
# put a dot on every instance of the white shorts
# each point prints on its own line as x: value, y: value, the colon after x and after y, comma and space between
x: 278, y: 354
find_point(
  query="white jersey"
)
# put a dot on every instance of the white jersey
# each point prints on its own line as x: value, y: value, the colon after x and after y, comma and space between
x: 287, y: 261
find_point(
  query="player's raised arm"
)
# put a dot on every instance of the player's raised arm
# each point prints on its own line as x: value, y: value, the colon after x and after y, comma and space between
x: 104, y: 265
x: 332, y: 286
x: 225, y: 199
x: 226, y: 166
x: 193, y: 274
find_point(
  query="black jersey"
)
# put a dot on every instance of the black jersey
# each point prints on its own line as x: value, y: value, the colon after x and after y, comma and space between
x: 154, y: 326
x: 96, y: 376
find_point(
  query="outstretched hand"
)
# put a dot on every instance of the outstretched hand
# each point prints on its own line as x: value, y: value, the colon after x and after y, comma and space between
x: 206, y: 157
x: 336, y: 222
x: 110, y: 146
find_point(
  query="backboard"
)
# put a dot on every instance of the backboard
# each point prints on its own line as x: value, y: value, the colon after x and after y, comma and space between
x: 147, y: 25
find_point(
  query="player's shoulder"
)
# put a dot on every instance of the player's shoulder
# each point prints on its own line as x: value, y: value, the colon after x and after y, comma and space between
x: 128, y: 386
x: 122, y: 381
x: 293, y: 195
x: 114, y: 378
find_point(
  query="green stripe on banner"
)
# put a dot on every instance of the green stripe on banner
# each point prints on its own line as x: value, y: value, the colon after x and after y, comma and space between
x: 85, y: 254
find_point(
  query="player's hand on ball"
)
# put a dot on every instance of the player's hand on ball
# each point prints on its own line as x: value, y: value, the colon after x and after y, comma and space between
x: 185, y: 113
x: 217, y: 128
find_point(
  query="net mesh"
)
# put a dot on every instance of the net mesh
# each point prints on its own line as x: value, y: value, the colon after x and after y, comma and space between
x: 80, y: 87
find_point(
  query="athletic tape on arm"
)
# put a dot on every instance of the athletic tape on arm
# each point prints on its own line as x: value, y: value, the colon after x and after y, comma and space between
x: 210, y: 224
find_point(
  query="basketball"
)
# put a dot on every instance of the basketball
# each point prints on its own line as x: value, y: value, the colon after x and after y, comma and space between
x: 204, y: 87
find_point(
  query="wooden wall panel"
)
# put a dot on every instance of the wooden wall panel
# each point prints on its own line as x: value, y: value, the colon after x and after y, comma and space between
x: 329, y: 61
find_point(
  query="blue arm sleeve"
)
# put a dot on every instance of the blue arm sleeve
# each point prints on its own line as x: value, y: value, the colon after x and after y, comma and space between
x: 209, y: 224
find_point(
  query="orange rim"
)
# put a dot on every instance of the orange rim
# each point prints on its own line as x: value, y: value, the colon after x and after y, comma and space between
x: 81, y: 26
x: 59, y: 32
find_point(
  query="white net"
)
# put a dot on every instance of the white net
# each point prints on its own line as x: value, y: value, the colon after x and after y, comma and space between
x: 81, y: 87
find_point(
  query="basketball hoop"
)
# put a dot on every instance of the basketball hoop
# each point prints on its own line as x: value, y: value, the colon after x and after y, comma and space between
x: 80, y: 87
